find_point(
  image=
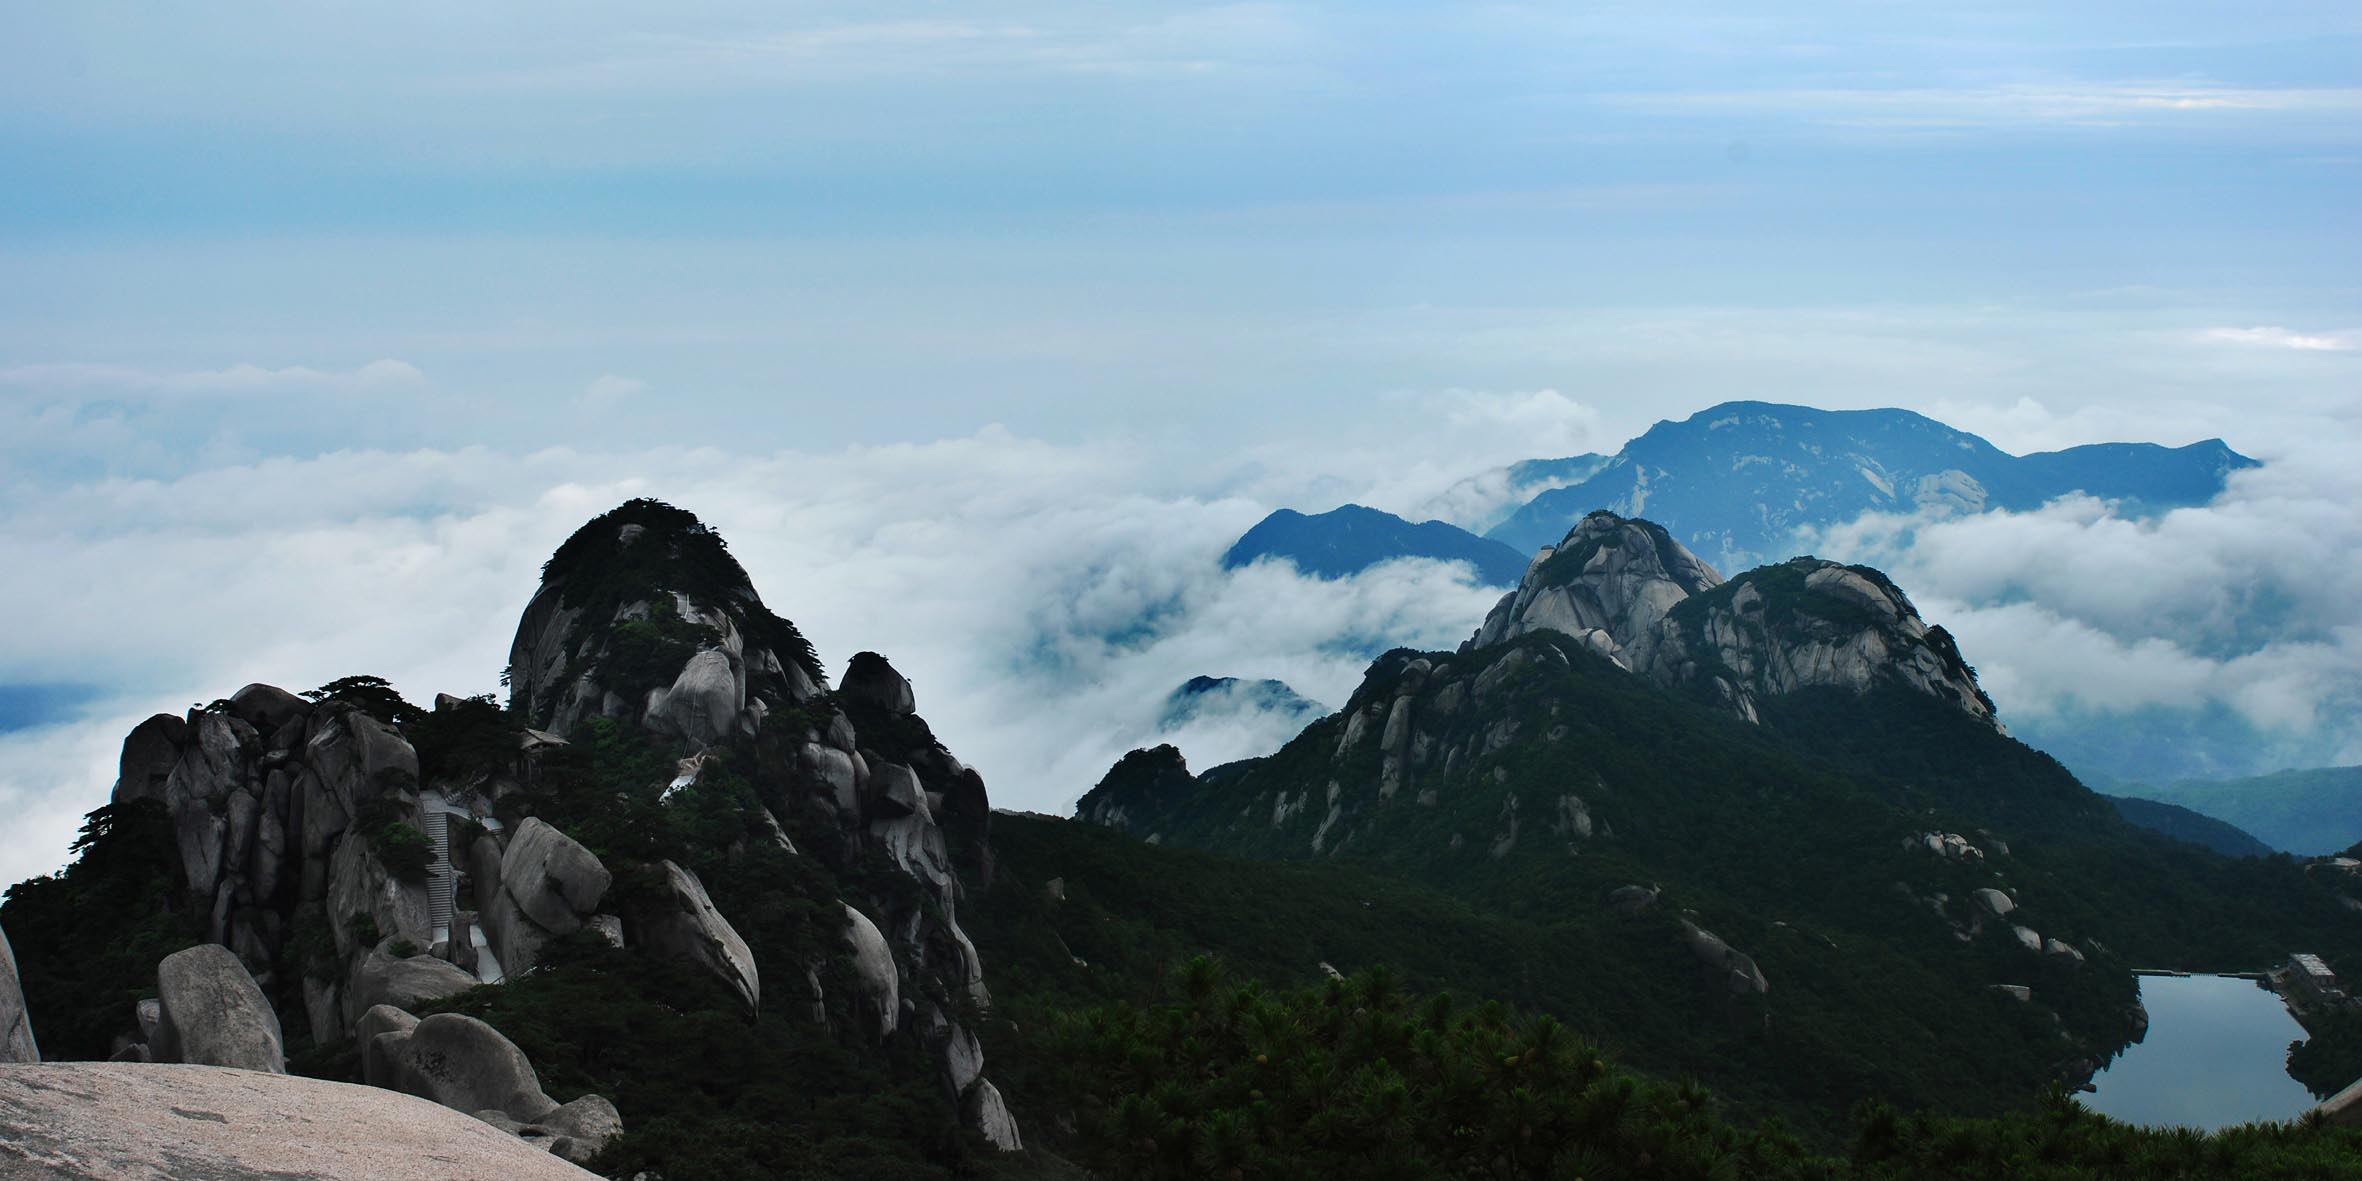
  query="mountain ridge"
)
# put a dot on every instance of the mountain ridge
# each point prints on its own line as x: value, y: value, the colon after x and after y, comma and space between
x: 1735, y: 481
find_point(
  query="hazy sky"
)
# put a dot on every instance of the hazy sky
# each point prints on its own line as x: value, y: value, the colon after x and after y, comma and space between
x: 977, y: 327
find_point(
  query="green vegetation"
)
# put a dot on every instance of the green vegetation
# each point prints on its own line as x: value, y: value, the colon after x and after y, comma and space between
x: 87, y: 939
x: 374, y: 696
x: 2182, y: 824
x: 1357, y: 1078
x: 2330, y: 1058
x: 464, y: 742
x: 404, y: 851
x: 651, y: 650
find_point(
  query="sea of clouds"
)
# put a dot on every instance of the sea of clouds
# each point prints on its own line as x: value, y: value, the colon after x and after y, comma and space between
x: 1045, y: 597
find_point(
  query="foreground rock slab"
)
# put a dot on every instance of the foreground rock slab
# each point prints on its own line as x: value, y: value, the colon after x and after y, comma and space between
x: 88, y: 1121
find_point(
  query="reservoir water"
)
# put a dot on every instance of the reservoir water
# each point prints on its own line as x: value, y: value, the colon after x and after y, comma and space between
x: 2216, y: 1055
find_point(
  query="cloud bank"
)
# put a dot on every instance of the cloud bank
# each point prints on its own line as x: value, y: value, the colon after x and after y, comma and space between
x: 2239, y: 621
x: 1042, y: 600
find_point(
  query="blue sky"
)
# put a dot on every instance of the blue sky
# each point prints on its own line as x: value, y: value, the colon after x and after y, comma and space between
x: 1069, y: 218
x: 321, y: 323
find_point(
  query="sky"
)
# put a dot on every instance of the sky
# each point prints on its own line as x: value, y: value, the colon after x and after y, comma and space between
x: 980, y: 330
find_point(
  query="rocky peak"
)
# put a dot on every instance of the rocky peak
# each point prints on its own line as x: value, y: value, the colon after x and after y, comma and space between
x: 1143, y: 786
x: 326, y: 852
x: 1608, y: 583
x: 1809, y: 622
x: 643, y: 615
x: 1627, y: 590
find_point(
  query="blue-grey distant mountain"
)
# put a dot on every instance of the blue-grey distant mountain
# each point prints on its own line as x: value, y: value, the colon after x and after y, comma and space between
x: 1201, y: 697
x: 2307, y: 812
x: 1736, y: 481
x: 1350, y: 539
x: 2182, y: 824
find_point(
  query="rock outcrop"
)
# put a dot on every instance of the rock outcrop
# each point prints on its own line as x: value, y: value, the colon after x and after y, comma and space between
x: 277, y: 805
x: 1139, y: 791
x: 1627, y: 590
x: 1810, y: 623
x: 313, y: 851
x: 1729, y: 967
x: 466, y: 1065
x: 16, y: 1025
x: 679, y: 920
x: 873, y: 966
x: 212, y: 1014
x: 644, y: 617
x: 547, y: 885
x: 1609, y: 583
x: 92, y: 1121
x: 405, y: 982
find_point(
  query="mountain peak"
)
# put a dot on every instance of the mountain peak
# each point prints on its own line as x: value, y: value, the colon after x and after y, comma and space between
x: 1738, y: 480
x: 1608, y: 583
x: 644, y: 614
x: 1627, y: 590
x: 1351, y: 538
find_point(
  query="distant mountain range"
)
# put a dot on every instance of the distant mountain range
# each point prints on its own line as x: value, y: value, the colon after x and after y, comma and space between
x: 1736, y: 482
x: 2310, y: 812
x: 1350, y: 539
x: 2183, y: 824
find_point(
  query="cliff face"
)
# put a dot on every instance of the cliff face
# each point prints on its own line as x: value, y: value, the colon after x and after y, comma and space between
x: 275, y: 802
x: 1627, y: 590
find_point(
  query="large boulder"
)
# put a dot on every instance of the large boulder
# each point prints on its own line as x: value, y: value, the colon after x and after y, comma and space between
x: 990, y: 1115
x: 268, y: 707
x: 212, y: 1014
x: 549, y: 885
x: 1730, y: 967
x: 16, y: 1026
x: 468, y: 1066
x: 704, y: 702
x: 869, y: 679
x: 149, y: 752
x: 465, y: 1065
x: 88, y: 1121
x: 381, y: 1059
x: 873, y: 969
x: 555, y: 881
x: 679, y: 921
x: 380, y: 978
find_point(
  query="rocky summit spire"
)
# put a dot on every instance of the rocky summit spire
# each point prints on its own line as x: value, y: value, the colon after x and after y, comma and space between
x: 1630, y: 592
x: 1608, y: 583
x: 644, y: 615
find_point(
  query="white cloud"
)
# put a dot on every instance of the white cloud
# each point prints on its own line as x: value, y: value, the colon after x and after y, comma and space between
x: 1042, y: 602
x: 2252, y: 603
x: 2282, y: 338
x: 2065, y: 103
x: 609, y: 388
x: 242, y: 377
